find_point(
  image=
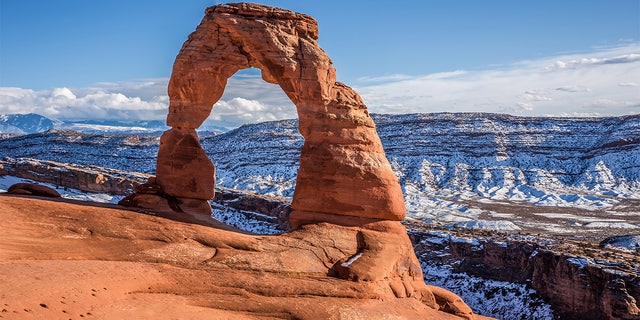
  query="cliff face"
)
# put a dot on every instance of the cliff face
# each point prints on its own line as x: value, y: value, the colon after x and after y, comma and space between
x: 506, y: 157
x: 576, y: 286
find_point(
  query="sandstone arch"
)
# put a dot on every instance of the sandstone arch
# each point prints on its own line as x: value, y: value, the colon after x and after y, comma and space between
x: 343, y: 169
x: 344, y: 176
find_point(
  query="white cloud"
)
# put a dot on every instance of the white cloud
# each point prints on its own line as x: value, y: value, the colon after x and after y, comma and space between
x: 238, y: 111
x: 603, y: 82
x: 529, y: 96
x: 391, y: 77
x: 86, y: 103
x: 247, y: 99
x: 63, y: 92
x: 589, y: 61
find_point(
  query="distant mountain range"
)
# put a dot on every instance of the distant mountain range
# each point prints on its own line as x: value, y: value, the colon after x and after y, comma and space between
x: 24, y: 123
x: 34, y: 123
x: 443, y: 160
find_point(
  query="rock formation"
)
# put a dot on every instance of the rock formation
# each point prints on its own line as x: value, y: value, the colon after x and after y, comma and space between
x: 575, y: 285
x: 81, y: 177
x: 344, y: 177
x: 33, y: 189
x: 344, y: 174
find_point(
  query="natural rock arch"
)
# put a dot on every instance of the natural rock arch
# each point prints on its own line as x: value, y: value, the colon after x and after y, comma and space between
x: 343, y: 169
x: 344, y: 177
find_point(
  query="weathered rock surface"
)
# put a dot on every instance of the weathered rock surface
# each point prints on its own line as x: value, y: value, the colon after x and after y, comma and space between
x: 183, y: 169
x: 33, y: 189
x: 78, y: 259
x: 343, y: 169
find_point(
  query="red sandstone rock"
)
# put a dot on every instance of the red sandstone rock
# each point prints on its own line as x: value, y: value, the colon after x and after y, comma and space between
x: 115, y: 263
x: 33, y: 189
x: 343, y: 168
x: 183, y: 168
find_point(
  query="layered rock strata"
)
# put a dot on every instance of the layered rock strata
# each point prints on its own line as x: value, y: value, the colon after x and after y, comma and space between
x: 81, y: 177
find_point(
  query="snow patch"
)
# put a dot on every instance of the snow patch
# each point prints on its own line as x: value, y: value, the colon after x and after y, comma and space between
x: 497, y: 225
x: 610, y: 225
x: 351, y: 260
x: 626, y: 243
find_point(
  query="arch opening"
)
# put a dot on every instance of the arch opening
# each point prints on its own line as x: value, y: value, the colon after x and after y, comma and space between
x: 247, y: 99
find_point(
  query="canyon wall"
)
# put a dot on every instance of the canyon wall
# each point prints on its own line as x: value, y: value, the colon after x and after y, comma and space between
x: 575, y: 285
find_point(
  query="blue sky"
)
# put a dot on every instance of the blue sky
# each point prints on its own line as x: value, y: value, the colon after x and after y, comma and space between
x: 121, y: 52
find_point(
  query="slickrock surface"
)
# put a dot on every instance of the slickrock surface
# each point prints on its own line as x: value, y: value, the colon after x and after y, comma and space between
x: 62, y: 259
x: 343, y: 169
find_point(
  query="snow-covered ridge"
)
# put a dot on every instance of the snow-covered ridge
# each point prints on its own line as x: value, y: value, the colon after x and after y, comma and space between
x: 18, y: 124
x: 442, y: 158
x: 448, y: 163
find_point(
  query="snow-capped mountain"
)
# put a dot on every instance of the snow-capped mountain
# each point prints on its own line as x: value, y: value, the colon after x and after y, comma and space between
x: 34, y: 123
x: 24, y: 123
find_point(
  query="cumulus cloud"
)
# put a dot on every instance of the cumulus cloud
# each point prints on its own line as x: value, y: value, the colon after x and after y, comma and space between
x: 247, y: 99
x: 238, y: 111
x: 86, y: 103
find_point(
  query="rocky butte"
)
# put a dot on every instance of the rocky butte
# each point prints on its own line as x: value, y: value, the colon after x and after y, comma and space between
x: 347, y: 203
